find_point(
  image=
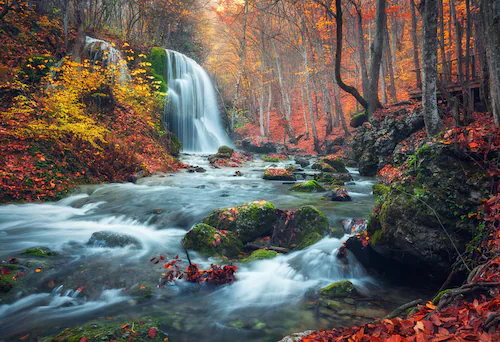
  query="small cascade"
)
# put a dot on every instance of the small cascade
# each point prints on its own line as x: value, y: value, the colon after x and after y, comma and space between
x: 101, y: 50
x: 192, y: 110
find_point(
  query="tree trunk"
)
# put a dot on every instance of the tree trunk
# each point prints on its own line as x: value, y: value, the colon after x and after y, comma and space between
x: 490, y: 11
x: 80, y: 25
x: 390, y: 69
x: 377, y: 49
x: 268, y: 114
x: 304, y: 110
x: 240, y: 68
x: 432, y: 120
x: 468, y: 104
x: 338, y: 110
x: 414, y: 39
x: 362, y: 56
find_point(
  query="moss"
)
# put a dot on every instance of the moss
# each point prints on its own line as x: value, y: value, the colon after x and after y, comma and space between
x: 336, y: 183
x: 158, y: 58
x: 210, y: 241
x: 309, y: 240
x: 6, y: 283
x: 376, y: 235
x: 279, y: 174
x: 337, y: 164
x: 39, y: 252
x: 358, y: 119
x: 343, y: 288
x: 291, y: 168
x: 261, y: 254
x: 224, y: 152
x: 309, y: 186
x: 121, y: 332
x: 439, y: 295
x: 380, y: 189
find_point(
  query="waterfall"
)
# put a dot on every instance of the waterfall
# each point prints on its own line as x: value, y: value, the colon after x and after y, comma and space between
x: 191, y: 111
x: 111, y: 57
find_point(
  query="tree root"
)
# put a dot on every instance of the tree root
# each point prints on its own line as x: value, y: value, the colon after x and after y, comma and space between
x: 403, y: 308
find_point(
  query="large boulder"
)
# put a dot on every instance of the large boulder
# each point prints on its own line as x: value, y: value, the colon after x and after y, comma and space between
x: 338, y: 194
x: 248, y: 221
x: 260, y: 145
x: 211, y: 241
x: 113, y: 240
x: 330, y: 164
x: 343, y: 288
x: 424, y: 220
x: 308, y: 226
x: 375, y: 143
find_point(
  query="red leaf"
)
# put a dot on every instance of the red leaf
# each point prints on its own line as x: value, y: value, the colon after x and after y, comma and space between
x: 152, y: 333
x: 83, y: 339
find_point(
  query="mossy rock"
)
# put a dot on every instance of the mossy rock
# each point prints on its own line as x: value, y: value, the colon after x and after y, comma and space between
x: 358, y: 120
x: 309, y: 186
x: 279, y: 174
x: 307, y: 227
x: 113, y: 240
x: 338, y: 178
x: 158, y: 59
x: 42, y: 252
x: 248, y: 221
x: 380, y: 189
x: 6, y: 283
x: 336, y: 183
x: 343, y: 288
x: 120, y: 332
x: 337, y: 164
x: 211, y: 241
x: 225, y: 152
x: 261, y: 254
x: 309, y: 240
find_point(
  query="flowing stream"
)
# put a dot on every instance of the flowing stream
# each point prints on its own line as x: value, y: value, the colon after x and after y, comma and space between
x: 270, y: 299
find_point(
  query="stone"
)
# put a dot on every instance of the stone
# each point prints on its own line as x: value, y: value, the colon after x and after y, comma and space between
x: 358, y: 120
x: 343, y: 288
x: 113, y: 240
x: 210, y: 241
x: 307, y: 227
x: 279, y: 174
x: 309, y: 186
x: 261, y: 254
x: 248, y: 221
x: 42, y: 252
x: 303, y: 162
x: 338, y: 194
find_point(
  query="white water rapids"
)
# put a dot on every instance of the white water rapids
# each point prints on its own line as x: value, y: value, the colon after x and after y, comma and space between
x: 157, y: 212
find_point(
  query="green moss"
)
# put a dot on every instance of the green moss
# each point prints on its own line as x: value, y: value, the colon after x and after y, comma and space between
x: 439, y: 295
x: 309, y: 240
x: 336, y: 183
x: 210, y: 241
x: 376, y: 235
x: 343, y: 288
x: 39, y: 252
x: 6, y: 283
x: 358, y: 119
x: 158, y: 59
x: 309, y: 186
x: 261, y: 254
x: 99, y: 331
x: 337, y: 164
x: 380, y: 189
x: 224, y: 152
x: 279, y: 174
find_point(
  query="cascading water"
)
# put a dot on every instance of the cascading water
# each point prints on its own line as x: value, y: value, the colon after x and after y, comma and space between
x: 101, y: 50
x: 191, y: 111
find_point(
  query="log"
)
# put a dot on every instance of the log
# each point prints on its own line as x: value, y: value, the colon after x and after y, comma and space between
x: 403, y: 308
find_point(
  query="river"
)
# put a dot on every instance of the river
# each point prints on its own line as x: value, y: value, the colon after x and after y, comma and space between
x: 270, y: 299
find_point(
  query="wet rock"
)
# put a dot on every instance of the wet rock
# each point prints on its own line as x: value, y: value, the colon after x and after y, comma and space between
x: 308, y: 226
x: 337, y: 178
x: 39, y: 252
x: 113, y: 240
x: 333, y: 146
x: 302, y: 161
x: 248, y: 221
x: 330, y: 164
x: 133, y: 178
x: 279, y: 174
x: 309, y: 186
x: 194, y: 169
x: 343, y: 288
x: 375, y: 143
x: 296, y: 337
x: 261, y: 254
x: 338, y: 194
x: 405, y: 229
x: 260, y: 145
x: 238, y: 173
x: 211, y: 241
